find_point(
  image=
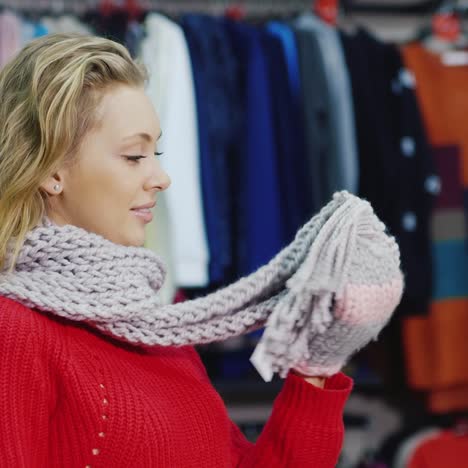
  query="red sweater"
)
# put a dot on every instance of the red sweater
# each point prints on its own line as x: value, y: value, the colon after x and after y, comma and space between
x: 70, y: 397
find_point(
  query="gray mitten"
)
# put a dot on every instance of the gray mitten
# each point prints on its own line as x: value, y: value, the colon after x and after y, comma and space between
x: 339, y: 299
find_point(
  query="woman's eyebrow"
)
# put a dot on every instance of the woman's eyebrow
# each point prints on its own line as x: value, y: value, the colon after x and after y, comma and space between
x: 145, y: 136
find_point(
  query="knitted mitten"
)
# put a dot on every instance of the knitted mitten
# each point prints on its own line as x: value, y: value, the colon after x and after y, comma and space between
x: 340, y: 298
x: 358, y: 317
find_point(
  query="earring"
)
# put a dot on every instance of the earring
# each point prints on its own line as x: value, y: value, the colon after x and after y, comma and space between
x: 57, y: 187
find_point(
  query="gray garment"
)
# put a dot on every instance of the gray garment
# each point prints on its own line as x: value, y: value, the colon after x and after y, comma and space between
x: 324, y: 296
x: 324, y: 55
x: 320, y: 137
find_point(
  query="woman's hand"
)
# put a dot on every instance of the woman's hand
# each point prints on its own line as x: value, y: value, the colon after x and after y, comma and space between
x: 314, y: 380
x: 317, y: 381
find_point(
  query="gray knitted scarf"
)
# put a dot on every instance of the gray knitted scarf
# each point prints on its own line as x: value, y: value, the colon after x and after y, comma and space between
x: 81, y: 276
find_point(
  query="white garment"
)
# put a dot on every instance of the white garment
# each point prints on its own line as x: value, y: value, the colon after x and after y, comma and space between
x: 157, y: 239
x: 69, y: 23
x: 65, y: 24
x: 171, y: 89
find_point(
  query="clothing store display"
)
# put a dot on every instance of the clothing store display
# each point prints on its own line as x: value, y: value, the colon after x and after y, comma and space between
x: 70, y: 397
x: 171, y: 90
x: 436, y: 344
x: 341, y: 260
x: 265, y: 118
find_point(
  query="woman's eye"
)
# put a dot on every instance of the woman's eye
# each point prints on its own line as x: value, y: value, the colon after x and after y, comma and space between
x: 135, y: 158
x: 140, y: 156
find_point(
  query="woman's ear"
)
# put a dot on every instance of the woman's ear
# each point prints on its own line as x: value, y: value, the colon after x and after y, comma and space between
x: 52, y: 185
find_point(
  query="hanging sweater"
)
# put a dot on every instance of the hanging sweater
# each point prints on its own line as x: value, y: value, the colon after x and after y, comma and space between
x: 165, y: 53
x: 70, y: 397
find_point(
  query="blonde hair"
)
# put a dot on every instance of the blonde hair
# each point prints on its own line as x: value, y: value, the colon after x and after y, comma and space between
x: 49, y: 94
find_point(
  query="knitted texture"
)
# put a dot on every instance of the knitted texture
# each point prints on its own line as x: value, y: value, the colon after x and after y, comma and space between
x: 309, y: 296
x: 70, y: 398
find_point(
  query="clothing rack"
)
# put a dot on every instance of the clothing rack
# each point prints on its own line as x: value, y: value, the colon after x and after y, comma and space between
x: 273, y: 7
x: 250, y: 7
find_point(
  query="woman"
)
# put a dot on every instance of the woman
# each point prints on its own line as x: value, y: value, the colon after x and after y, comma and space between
x: 78, y: 137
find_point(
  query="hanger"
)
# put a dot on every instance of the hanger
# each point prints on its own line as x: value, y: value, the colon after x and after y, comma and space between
x: 327, y: 10
x: 236, y: 11
x: 446, y: 24
x: 133, y: 9
x: 445, y: 30
x: 446, y: 35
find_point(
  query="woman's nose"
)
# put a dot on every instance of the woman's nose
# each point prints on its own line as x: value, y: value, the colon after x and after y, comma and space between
x: 165, y: 180
x: 159, y: 179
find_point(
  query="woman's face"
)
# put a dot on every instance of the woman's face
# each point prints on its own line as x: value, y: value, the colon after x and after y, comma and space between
x: 103, y: 189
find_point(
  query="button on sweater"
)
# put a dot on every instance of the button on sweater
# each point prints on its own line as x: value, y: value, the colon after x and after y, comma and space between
x: 72, y: 397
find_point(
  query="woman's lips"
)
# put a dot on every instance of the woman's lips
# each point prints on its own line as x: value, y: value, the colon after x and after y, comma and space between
x: 144, y: 214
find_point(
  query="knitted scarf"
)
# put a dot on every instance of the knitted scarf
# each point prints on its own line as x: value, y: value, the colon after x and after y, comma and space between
x: 81, y: 276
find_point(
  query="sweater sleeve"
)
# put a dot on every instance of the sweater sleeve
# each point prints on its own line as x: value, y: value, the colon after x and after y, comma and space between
x: 24, y: 393
x: 305, y: 427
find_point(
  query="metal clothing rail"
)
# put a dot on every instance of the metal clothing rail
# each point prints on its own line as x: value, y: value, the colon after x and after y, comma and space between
x: 274, y: 7
x: 250, y: 7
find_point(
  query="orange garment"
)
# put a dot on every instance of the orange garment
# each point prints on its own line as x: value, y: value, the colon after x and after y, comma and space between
x: 443, y: 94
x: 436, y: 344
